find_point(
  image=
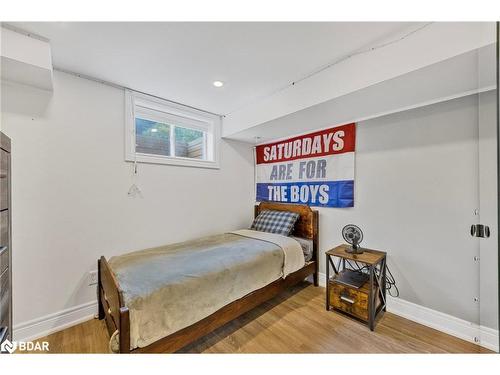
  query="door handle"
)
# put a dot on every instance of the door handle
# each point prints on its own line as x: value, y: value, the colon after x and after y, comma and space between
x: 480, y: 230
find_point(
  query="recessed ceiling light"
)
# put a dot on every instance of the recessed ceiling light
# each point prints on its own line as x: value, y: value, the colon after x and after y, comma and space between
x: 154, y: 130
x: 218, y: 83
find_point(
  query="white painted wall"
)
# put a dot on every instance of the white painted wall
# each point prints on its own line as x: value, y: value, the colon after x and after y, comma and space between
x: 70, y: 202
x: 416, y: 191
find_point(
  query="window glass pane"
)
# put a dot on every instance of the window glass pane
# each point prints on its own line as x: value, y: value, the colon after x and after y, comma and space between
x: 189, y: 143
x: 152, y: 137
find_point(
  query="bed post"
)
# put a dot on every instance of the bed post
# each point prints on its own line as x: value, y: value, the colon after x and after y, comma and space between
x: 111, y: 305
x: 124, y: 330
x: 100, y: 307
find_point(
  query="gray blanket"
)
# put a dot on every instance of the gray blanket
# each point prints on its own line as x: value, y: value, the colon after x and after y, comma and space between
x: 171, y: 287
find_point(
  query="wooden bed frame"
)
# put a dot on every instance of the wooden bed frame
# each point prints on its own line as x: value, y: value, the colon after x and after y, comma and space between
x: 112, y: 307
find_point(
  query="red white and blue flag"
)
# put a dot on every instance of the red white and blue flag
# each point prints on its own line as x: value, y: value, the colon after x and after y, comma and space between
x: 316, y: 169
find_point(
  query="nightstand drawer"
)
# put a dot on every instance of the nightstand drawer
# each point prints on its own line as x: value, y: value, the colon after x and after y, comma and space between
x: 349, y: 300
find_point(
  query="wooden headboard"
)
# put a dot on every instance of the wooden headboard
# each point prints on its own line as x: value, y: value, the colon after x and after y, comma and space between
x: 307, y: 226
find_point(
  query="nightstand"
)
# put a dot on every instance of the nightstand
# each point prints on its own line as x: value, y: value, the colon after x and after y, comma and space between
x: 365, y: 303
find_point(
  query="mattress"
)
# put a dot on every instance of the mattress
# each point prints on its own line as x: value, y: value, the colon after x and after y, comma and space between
x: 171, y: 287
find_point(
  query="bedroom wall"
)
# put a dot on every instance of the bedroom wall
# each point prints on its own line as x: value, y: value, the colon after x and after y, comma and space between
x: 69, y: 197
x: 416, y: 189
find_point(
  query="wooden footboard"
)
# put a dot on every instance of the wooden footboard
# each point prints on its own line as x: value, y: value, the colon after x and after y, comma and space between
x: 111, y: 305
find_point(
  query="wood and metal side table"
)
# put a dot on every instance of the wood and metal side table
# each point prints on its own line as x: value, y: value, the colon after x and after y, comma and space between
x: 367, y: 302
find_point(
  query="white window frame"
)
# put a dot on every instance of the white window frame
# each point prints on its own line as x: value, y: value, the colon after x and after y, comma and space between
x: 167, y: 112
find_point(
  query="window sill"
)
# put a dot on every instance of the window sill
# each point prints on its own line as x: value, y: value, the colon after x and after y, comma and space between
x: 166, y: 160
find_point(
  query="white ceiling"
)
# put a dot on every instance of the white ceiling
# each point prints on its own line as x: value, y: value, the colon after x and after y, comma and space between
x: 179, y: 61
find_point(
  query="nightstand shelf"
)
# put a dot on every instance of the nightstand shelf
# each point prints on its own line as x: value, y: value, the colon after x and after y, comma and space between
x: 365, y: 303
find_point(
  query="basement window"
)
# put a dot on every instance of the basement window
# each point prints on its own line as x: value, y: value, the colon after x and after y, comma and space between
x: 161, y: 132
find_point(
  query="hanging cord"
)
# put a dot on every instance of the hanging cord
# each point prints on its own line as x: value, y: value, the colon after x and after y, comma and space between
x: 390, y: 281
x: 135, y: 163
x: 134, y: 190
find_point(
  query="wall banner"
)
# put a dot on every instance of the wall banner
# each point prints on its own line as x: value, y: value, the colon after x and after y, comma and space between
x: 316, y: 169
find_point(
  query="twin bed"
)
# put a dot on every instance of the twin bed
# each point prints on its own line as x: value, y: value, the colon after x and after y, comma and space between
x: 159, y: 300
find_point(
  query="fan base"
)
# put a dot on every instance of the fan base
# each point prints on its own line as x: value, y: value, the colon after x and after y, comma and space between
x: 354, y: 250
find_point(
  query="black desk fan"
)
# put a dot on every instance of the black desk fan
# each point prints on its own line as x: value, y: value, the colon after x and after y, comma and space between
x: 353, y: 235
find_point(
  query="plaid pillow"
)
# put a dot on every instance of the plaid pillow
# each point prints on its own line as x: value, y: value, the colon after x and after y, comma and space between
x: 280, y: 222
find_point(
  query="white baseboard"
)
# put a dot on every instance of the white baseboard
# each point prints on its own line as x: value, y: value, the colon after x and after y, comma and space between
x: 51, y: 323
x: 449, y: 324
x: 489, y: 338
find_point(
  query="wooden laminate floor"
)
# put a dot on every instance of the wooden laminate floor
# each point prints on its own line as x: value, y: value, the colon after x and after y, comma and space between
x: 294, y: 322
